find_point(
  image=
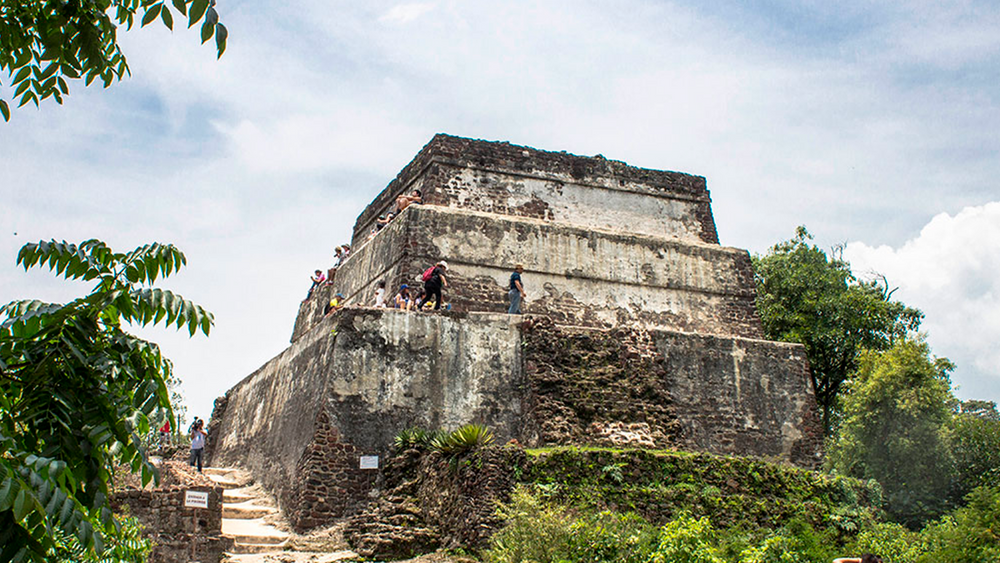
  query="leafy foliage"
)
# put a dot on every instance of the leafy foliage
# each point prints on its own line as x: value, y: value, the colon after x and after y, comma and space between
x: 540, y: 532
x: 796, y: 542
x: 893, y: 542
x: 126, y: 546
x: 44, y: 43
x: 895, y: 414
x: 411, y: 438
x: 78, y: 393
x: 462, y: 439
x: 971, y: 533
x: 805, y: 296
x: 688, y: 540
x: 458, y: 441
x: 975, y: 446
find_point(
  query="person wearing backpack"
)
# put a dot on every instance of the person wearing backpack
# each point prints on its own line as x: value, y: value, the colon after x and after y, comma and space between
x: 434, y: 281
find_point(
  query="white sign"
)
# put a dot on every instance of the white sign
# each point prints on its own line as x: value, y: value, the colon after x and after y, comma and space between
x: 195, y: 499
x: 369, y: 462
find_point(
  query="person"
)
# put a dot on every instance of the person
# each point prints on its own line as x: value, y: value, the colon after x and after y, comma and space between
x: 434, y: 284
x: 382, y: 221
x: 197, y: 444
x: 336, y: 302
x: 403, y: 299
x: 165, y: 433
x: 317, y: 278
x: 404, y: 201
x: 516, y: 293
x: 380, y: 295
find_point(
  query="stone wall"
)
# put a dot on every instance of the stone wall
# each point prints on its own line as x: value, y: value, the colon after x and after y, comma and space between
x: 360, y: 376
x: 591, y: 192
x: 577, y: 276
x: 174, y: 529
x: 660, y: 389
x: 344, y: 389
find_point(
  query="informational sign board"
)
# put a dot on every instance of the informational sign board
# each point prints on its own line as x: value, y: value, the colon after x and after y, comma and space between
x: 195, y: 499
x: 369, y: 462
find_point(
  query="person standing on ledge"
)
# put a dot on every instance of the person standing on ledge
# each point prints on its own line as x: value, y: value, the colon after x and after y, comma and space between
x: 516, y: 292
x: 434, y: 280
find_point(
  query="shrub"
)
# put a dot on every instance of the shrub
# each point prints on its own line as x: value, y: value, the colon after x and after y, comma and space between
x: 797, y: 542
x: 969, y: 534
x: 533, y: 531
x: 893, y: 542
x: 686, y: 540
x: 612, y: 537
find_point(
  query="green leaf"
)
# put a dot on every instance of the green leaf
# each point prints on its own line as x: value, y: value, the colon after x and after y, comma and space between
x: 221, y: 34
x: 206, y: 32
x: 168, y: 20
x: 151, y: 13
x: 5, y: 110
x: 8, y: 491
x: 22, y: 504
x: 21, y: 75
x: 181, y: 6
x: 196, y: 12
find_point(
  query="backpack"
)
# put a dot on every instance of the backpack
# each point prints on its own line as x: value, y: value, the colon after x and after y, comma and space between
x: 428, y: 273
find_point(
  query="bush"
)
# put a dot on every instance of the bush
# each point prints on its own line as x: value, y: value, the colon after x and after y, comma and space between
x: 893, y: 542
x: 970, y: 534
x: 975, y: 445
x: 686, y: 540
x: 540, y: 532
x: 533, y: 531
x: 612, y: 537
x: 797, y: 542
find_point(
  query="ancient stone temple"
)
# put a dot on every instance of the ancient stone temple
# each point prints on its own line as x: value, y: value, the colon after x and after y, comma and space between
x: 640, y: 330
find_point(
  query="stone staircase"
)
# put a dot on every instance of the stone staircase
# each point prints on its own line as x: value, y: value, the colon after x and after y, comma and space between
x: 260, y: 532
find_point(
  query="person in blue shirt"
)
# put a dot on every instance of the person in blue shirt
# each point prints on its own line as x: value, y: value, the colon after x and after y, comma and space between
x: 516, y: 293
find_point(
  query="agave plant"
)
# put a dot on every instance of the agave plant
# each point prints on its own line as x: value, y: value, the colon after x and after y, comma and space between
x: 463, y: 439
x: 414, y: 437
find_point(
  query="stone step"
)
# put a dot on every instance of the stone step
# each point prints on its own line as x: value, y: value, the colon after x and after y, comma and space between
x: 220, y: 470
x: 229, y: 481
x: 252, y: 531
x: 237, y: 495
x: 246, y: 510
x: 248, y: 548
x: 310, y: 556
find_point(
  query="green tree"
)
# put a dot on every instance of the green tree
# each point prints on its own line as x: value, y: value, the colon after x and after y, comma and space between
x: 975, y: 445
x: 805, y: 296
x: 45, y: 42
x: 77, y: 393
x: 894, y: 429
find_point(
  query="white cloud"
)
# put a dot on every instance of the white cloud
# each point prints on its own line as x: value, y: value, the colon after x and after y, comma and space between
x: 404, y: 13
x: 951, y: 271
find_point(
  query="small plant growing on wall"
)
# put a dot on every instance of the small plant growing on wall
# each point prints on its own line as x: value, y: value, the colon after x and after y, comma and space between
x: 463, y: 439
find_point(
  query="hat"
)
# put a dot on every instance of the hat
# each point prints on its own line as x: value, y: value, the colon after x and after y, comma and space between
x: 443, y: 264
x: 341, y: 295
x: 404, y: 286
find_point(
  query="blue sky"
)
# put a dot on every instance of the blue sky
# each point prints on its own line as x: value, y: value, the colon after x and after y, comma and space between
x: 874, y: 124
